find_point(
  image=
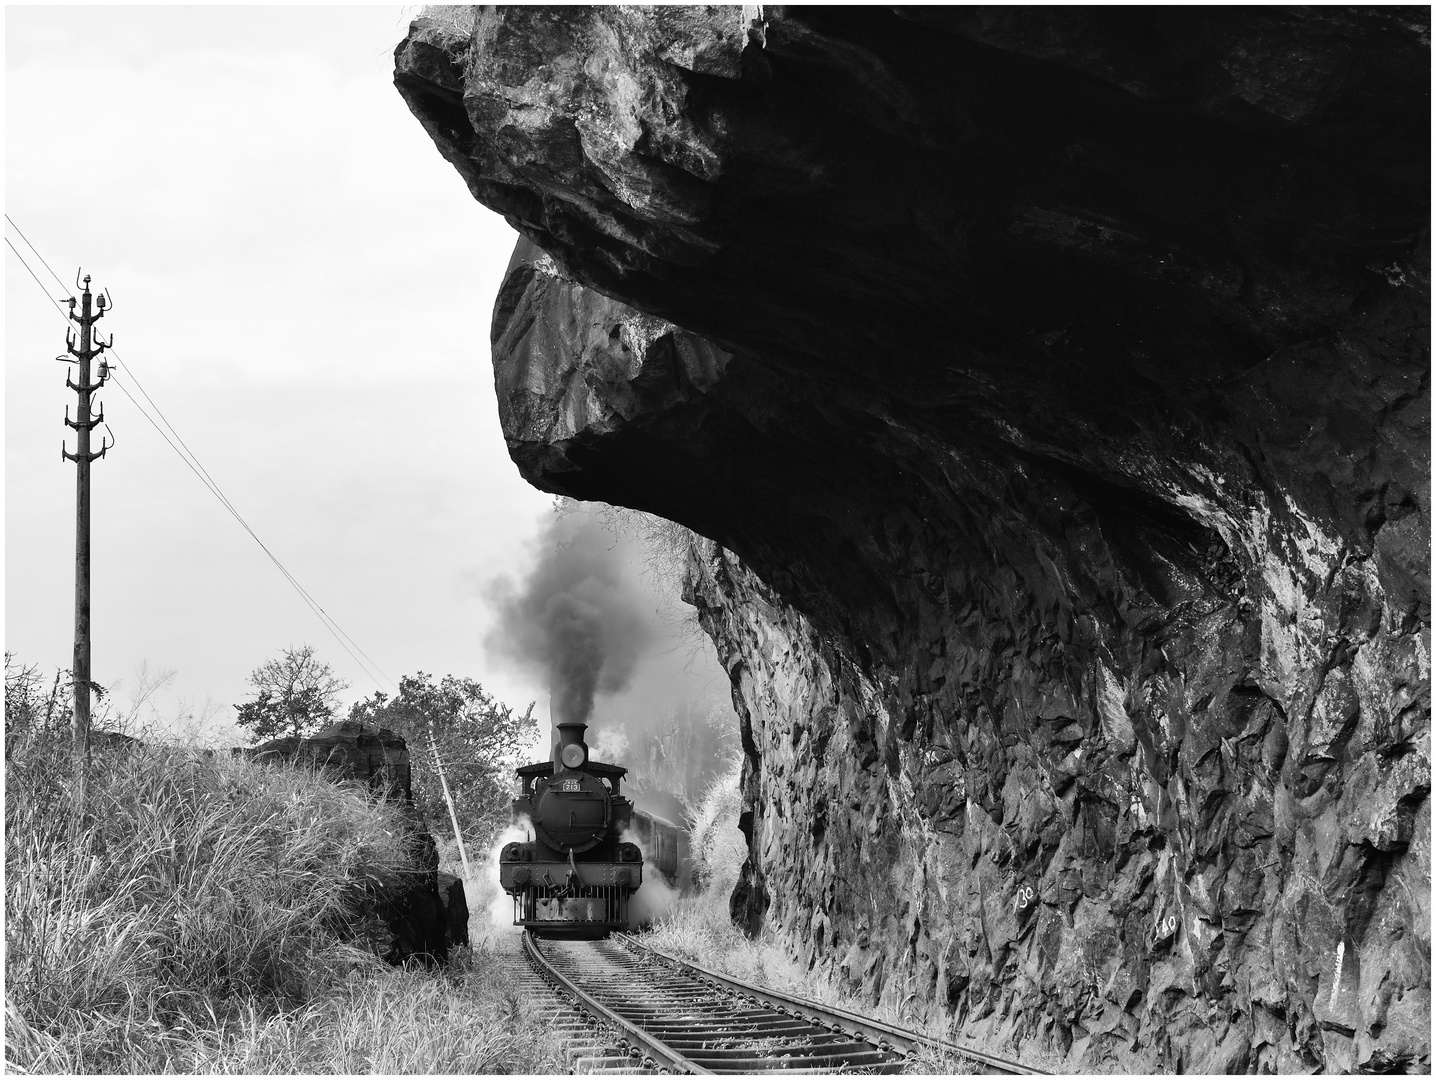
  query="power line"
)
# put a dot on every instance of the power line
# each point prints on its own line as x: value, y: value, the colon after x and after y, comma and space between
x: 202, y: 474
x: 37, y: 280
x: 192, y: 461
x: 214, y: 487
x: 195, y: 467
x: 63, y: 287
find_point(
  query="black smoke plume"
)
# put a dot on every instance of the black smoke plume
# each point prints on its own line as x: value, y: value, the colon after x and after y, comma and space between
x: 599, y: 618
x: 580, y: 618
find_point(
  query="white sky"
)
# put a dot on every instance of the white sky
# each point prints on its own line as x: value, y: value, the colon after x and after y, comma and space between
x: 304, y: 286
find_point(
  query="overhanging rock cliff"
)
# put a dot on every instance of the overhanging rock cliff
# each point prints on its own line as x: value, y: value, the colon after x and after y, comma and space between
x: 1055, y: 386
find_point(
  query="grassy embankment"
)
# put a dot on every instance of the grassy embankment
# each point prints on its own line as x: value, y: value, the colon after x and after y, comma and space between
x: 206, y: 917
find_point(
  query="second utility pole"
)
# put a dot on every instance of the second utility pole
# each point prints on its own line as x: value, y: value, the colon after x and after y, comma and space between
x: 80, y: 670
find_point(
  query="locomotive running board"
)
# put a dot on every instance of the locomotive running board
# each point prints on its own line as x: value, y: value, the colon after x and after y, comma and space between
x: 656, y: 1050
x: 874, y: 1030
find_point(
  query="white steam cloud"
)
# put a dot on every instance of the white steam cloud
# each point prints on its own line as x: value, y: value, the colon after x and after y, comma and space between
x: 490, y: 898
x: 655, y: 897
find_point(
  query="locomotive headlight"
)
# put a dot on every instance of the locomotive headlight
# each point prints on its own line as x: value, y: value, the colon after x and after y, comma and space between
x: 629, y: 853
x: 572, y: 755
x: 511, y: 853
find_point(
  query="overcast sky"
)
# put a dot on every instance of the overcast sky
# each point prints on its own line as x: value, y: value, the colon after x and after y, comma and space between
x: 304, y: 287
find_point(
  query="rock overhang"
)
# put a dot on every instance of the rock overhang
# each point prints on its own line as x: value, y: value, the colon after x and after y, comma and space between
x: 1050, y: 257
x: 1061, y: 378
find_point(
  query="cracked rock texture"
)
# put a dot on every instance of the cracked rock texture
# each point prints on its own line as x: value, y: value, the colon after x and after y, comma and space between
x: 1053, y: 387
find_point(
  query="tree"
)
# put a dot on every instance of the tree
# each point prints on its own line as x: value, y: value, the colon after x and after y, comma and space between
x: 295, y: 694
x: 478, y: 739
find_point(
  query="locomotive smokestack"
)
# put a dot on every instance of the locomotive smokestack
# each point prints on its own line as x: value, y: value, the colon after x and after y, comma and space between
x: 570, y: 751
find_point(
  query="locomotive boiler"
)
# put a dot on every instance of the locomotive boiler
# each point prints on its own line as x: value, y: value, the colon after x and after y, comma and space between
x: 577, y: 875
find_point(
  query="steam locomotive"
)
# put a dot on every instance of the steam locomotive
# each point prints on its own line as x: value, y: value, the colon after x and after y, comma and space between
x: 575, y: 878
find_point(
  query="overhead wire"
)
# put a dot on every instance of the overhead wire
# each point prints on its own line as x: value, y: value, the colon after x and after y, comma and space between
x: 37, y: 280
x: 198, y: 468
x: 202, y: 474
x: 192, y: 461
x: 115, y: 353
x: 43, y: 263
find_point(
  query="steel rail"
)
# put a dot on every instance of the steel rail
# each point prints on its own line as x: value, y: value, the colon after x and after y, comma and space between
x: 585, y: 1040
x: 659, y: 1051
x: 875, y: 1031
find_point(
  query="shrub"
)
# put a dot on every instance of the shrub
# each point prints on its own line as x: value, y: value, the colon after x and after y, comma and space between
x: 716, y: 845
x: 30, y: 707
x: 198, y: 890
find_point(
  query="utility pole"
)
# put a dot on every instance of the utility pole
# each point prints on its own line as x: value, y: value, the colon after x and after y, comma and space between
x: 448, y: 798
x: 89, y: 348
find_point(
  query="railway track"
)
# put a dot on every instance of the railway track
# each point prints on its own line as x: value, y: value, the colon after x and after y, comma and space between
x: 679, y: 1017
x: 589, y: 1045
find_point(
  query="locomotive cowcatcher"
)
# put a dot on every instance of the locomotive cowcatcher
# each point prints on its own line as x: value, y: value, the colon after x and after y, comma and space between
x: 575, y: 877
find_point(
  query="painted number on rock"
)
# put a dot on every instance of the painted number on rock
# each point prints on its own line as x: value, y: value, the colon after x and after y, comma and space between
x: 1025, y: 896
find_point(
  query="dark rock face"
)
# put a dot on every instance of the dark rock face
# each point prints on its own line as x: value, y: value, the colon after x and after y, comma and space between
x: 424, y: 915
x: 1056, y: 384
x: 348, y: 751
x: 456, y: 909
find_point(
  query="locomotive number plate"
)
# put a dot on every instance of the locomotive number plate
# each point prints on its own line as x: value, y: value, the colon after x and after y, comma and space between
x: 570, y: 785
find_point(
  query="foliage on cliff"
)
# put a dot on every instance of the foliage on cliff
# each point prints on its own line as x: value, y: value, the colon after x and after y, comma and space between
x: 478, y: 739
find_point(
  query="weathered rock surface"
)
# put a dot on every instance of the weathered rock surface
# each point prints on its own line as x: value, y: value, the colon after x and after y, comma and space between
x: 426, y: 914
x: 1055, y: 386
x: 348, y: 751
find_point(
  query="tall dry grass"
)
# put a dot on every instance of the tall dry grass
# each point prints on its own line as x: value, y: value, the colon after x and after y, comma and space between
x: 208, y: 916
x: 698, y: 927
x: 197, y: 890
x: 716, y: 846
x: 467, y: 1020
